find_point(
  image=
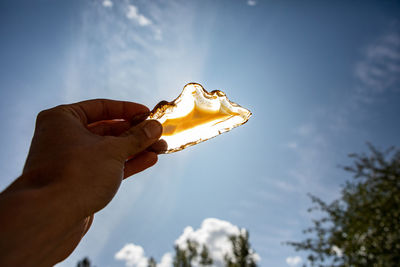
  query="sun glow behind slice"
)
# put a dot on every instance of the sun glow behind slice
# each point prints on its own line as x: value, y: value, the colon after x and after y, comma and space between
x: 196, y: 116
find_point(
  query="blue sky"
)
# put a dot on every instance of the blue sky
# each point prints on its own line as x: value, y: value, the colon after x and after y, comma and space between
x: 321, y: 78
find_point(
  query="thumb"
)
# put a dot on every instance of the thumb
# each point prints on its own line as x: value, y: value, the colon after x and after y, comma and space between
x: 138, y: 138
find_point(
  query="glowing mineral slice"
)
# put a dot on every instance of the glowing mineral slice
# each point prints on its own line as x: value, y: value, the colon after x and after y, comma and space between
x: 196, y: 116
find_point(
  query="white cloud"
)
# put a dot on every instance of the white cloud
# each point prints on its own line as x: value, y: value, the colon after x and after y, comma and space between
x: 107, y: 3
x: 133, y: 13
x: 132, y: 255
x: 166, y: 260
x: 293, y: 261
x: 251, y: 2
x: 213, y: 233
x: 379, y: 70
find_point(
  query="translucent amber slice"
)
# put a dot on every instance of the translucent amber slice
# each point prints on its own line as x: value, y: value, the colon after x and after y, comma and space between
x: 196, y: 116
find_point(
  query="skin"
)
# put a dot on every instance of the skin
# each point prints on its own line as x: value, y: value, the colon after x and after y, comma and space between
x: 79, y: 155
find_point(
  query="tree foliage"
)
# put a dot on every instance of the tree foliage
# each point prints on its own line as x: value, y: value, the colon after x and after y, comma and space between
x: 205, y: 259
x: 85, y: 262
x: 186, y: 257
x: 195, y: 255
x: 151, y: 262
x: 362, y: 228
x: 243, y: 256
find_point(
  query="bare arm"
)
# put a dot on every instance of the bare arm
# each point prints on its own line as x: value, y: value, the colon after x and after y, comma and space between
x: 79, y: 155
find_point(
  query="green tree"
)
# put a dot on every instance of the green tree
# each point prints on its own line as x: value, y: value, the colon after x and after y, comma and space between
x: 205, y: 258
x: 185, y: 257
x: 151, y: 262
x: 84, y: 263
x: 362, y: 227
x: 243, y: 255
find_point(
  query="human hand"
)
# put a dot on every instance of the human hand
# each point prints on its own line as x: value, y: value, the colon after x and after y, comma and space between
x: 78, y: 157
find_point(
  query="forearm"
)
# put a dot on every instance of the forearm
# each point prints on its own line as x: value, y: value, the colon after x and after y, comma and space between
x: 32, y: 225
x: 71, y: 172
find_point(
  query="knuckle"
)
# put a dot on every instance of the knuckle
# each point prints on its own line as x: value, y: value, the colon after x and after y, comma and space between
x: 44, y: 114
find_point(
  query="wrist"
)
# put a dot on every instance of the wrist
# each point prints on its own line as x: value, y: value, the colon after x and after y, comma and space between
x: 33, y: 222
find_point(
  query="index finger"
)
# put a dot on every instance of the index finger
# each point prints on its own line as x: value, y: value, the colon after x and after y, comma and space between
x: 90, y: 111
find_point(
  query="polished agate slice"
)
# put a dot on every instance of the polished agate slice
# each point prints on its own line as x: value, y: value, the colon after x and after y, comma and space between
x: 196, y: 116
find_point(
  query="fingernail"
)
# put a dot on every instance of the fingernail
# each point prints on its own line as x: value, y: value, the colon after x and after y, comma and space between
x: 152, y: 129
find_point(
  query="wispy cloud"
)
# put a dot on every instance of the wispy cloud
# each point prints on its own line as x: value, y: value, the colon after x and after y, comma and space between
x: 251, y: 2
x: 133, y: 13
x: 213, y: 232
x: 318, y: 144
x: 379, y: 69
x: 305, y: 130
x: 312, y: 162
x: 293, y: 261
x: 107, y: 3
x: 142, y: 58
x: 115, y: 57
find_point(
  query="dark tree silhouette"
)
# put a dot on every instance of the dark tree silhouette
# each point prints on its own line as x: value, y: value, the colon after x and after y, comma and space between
x: 362, y: 228
x: 185, y: 257
x: 205, y: 259
x: 151, y: 262
x: 243, y: 255
x: 84, y: 263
